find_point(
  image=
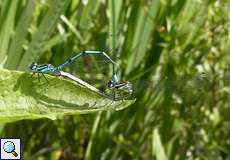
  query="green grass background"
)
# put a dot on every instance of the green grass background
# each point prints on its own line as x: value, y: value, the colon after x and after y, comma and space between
x: 176, y: 53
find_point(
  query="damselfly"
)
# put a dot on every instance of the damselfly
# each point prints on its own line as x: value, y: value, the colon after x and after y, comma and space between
x: 50, y: 69
x: 42, y: 69
x: 113, y: 84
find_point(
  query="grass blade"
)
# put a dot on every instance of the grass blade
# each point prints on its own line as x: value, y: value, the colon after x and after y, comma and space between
x: 157, y: 147
x: 144, y: 26
x: 93, y: 136
x: 115, y: 11
x: 44, y: 32
x: 6, y: 31
x: 71, y: 27
x: 19, y: 38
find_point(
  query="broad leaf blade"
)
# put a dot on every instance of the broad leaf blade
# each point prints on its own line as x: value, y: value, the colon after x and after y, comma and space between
x: 23, y: 97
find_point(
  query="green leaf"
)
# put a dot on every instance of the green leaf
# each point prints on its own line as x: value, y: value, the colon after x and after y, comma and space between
x: 24, y: 97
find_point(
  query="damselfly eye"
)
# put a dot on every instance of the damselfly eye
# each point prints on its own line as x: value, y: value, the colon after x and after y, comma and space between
x: 110, y: 84
x: 33, y: 66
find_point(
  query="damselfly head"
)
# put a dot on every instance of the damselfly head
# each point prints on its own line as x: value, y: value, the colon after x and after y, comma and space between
x: 110, y: 84
x: 33, y: 66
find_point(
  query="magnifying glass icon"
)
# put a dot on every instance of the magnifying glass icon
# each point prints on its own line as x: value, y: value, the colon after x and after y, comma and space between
x: 9, y: 147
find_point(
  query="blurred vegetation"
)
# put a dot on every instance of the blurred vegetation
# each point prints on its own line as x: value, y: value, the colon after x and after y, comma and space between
x: 175, y: 52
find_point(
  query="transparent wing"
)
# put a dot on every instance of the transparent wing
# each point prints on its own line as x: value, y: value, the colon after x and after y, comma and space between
x: 180, y: 85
